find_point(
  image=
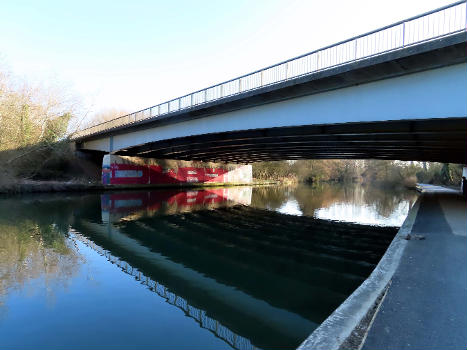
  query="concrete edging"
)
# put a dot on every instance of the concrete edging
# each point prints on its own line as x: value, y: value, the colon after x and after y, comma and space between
x: 332, y: 333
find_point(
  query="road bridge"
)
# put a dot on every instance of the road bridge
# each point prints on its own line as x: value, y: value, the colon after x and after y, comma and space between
x: 395, y: 93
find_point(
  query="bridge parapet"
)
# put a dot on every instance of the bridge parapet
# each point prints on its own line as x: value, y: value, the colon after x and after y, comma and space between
x: 430, y: 26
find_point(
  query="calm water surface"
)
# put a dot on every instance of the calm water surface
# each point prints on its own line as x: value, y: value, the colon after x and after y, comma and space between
x: 243, y: 268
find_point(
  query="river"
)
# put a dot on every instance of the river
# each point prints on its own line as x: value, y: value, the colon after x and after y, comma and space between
x: 219, y: 268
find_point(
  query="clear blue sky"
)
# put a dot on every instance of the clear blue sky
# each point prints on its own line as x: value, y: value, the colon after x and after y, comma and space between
x: 133, y: 54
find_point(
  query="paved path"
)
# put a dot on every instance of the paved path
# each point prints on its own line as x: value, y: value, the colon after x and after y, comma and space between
x: 426, y: 304
x: 427, y: 188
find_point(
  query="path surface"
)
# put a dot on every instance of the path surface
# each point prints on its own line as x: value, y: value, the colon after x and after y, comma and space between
x: 426, y: 304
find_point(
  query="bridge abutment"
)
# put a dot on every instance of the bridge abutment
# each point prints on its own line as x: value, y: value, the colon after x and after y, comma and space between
x: 124, y: 170
x: 464, y: 182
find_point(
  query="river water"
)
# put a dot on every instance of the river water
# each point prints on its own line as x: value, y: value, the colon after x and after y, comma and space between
x: 241, y: 267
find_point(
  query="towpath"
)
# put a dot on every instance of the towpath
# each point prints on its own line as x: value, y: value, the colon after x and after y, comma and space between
x: 426, y: 304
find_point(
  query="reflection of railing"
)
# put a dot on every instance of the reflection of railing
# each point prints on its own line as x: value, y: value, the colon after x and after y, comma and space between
x: 435, y: 24
x: 206, y: 322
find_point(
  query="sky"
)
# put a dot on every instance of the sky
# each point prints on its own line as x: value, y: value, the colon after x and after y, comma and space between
x: 128, y: 55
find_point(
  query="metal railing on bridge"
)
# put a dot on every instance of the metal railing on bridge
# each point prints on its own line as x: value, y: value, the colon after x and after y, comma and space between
x: 428, y: 26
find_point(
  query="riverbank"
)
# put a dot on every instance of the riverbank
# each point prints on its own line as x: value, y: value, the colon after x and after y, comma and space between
x: 83, y: 185
x: 422, y: 274
x: 426, y: 301
x: 29, y: 186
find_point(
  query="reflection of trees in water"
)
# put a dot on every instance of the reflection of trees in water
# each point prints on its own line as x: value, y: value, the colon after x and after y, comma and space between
x: 385, y: 200
x: 31, y: 248
x: 317, y: 196
x: 271, y: 197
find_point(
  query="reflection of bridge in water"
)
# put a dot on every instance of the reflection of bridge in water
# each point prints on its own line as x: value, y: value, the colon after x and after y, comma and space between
x: 147, y: 203
x: 233, y: 268
x: 199, y: 315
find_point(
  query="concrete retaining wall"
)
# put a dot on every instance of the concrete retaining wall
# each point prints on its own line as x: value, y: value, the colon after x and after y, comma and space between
x: 338, y: 327
x: 122, y: 170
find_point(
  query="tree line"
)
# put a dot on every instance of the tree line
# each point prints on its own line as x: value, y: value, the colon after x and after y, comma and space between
x: 34, y: 122
x: 386, y: 172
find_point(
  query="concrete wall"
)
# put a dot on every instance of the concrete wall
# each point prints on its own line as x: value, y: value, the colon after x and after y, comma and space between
x: 436, y: 93
x: 122, y: 170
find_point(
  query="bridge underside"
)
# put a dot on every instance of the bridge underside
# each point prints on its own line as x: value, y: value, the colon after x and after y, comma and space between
x: 403, y: 105
x: 438, y: 140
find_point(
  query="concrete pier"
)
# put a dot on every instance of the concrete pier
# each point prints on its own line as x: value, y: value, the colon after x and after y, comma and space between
x: 136, y: 171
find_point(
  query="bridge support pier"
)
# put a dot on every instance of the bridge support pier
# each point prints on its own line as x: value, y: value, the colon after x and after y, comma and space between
x: 124, y: 170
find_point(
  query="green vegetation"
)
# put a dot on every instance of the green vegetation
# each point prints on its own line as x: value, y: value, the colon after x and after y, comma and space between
x: 34, y: 124
x: 385, y: 172
x: 35, y: 246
